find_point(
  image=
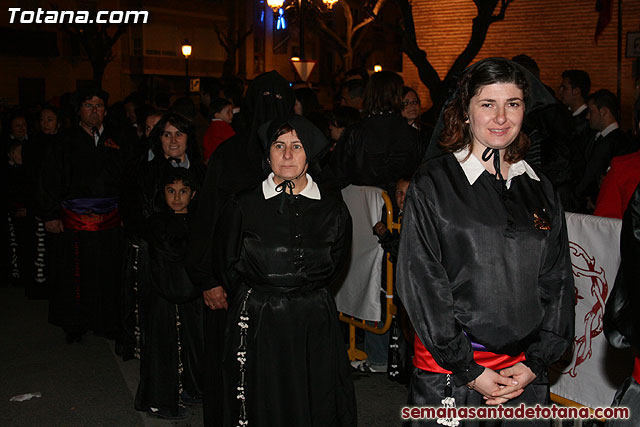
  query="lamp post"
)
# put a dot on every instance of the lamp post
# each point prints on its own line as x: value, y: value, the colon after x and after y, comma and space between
x: 186, y: 51
x: 277, y: 4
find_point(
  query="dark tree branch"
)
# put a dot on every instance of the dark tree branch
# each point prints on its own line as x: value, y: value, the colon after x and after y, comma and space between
x: 428, y: 75
x: 479, y: 30
x: 97, y: 44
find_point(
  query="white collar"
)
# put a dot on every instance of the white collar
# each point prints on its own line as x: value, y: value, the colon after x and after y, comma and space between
x: 311, y: 191
x: 579, y: 110
x: 473, y: 168
x: 606, y: 131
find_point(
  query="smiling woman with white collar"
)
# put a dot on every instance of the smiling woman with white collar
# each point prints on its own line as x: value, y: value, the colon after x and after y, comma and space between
x: 483, y: 266
x: 278, y: 248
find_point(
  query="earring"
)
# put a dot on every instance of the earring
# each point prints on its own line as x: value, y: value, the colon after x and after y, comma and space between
x: 466, y: 119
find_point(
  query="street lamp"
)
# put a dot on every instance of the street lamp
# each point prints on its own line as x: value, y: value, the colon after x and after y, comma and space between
x: 186, y: 51
x: 275, y: 5
x: 329, y: 3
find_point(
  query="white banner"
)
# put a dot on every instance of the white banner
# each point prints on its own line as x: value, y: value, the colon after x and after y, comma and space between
x: 359, y: 294
x: 595, y: 369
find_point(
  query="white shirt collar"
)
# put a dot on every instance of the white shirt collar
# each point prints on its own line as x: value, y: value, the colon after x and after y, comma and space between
x: 579, y: 110
x: 606, y: 131
x: 473, y: 168
x: 311, y: 191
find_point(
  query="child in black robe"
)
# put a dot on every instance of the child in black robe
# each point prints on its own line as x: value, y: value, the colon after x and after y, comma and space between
x: 171, y: 360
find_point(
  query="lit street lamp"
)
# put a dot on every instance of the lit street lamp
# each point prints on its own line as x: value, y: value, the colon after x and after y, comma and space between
x: 186, y: 51
x: 275, y: 5
x: 329, y: 3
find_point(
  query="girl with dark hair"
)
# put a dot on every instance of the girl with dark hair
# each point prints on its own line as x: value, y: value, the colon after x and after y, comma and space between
x: 171, y: 360
x: 483, y: 267
x: 279, y: 248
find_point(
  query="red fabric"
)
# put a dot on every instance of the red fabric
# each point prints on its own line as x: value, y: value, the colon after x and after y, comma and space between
x: 90, y: 222
x: 603, y: 7
x: 618, y: 186
x: 217, y: 132
x: 636, y: 370
x: 422, y: 359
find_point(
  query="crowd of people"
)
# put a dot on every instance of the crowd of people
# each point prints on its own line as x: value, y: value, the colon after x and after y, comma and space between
x: 207, y: 241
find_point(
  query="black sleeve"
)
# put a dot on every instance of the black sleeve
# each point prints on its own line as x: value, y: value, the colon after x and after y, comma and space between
x: 227, y: 244
x: 199, y: 258
x: 556, y: 288
x: 390, y: 242
x: 621, y: 316
x: 335, y: 173
x: 425, y: 290
x: 50, y: 188
x: 341, y: 248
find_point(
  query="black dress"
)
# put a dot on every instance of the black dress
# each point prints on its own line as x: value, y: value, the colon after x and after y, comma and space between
x: 171, y: 359
x: 276, y: 268
x: 486, y: 264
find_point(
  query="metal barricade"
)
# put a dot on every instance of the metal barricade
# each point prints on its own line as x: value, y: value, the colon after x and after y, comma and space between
x: 353, y: 352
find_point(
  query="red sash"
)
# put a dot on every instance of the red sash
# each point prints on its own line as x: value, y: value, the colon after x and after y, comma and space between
x: 90, y: 222
x: 422, y: 359
x: 636, y: 370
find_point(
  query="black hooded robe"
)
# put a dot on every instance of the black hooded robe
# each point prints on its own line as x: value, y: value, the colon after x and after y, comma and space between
x: 622, y: 314
x: 236, y: 165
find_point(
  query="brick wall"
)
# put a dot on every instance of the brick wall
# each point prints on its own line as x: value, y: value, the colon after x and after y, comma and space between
x: 558, y: 34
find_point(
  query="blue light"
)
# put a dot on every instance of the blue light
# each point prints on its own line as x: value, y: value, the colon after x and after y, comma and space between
x: 262, y: 16
x: 281, y: 23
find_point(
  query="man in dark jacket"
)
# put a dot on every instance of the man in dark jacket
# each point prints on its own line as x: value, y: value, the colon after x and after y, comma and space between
x: 609, y: 141
x: 77, y: 198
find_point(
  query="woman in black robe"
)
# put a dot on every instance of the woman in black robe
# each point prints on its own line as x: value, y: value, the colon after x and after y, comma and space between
x: 173, y: 145
x: 622, y: 314
x: 278, y: 248
x: 483, y: 266
x: 236, y: 165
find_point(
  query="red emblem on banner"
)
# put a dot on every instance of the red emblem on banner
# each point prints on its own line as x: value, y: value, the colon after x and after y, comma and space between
x: 584, y: 265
